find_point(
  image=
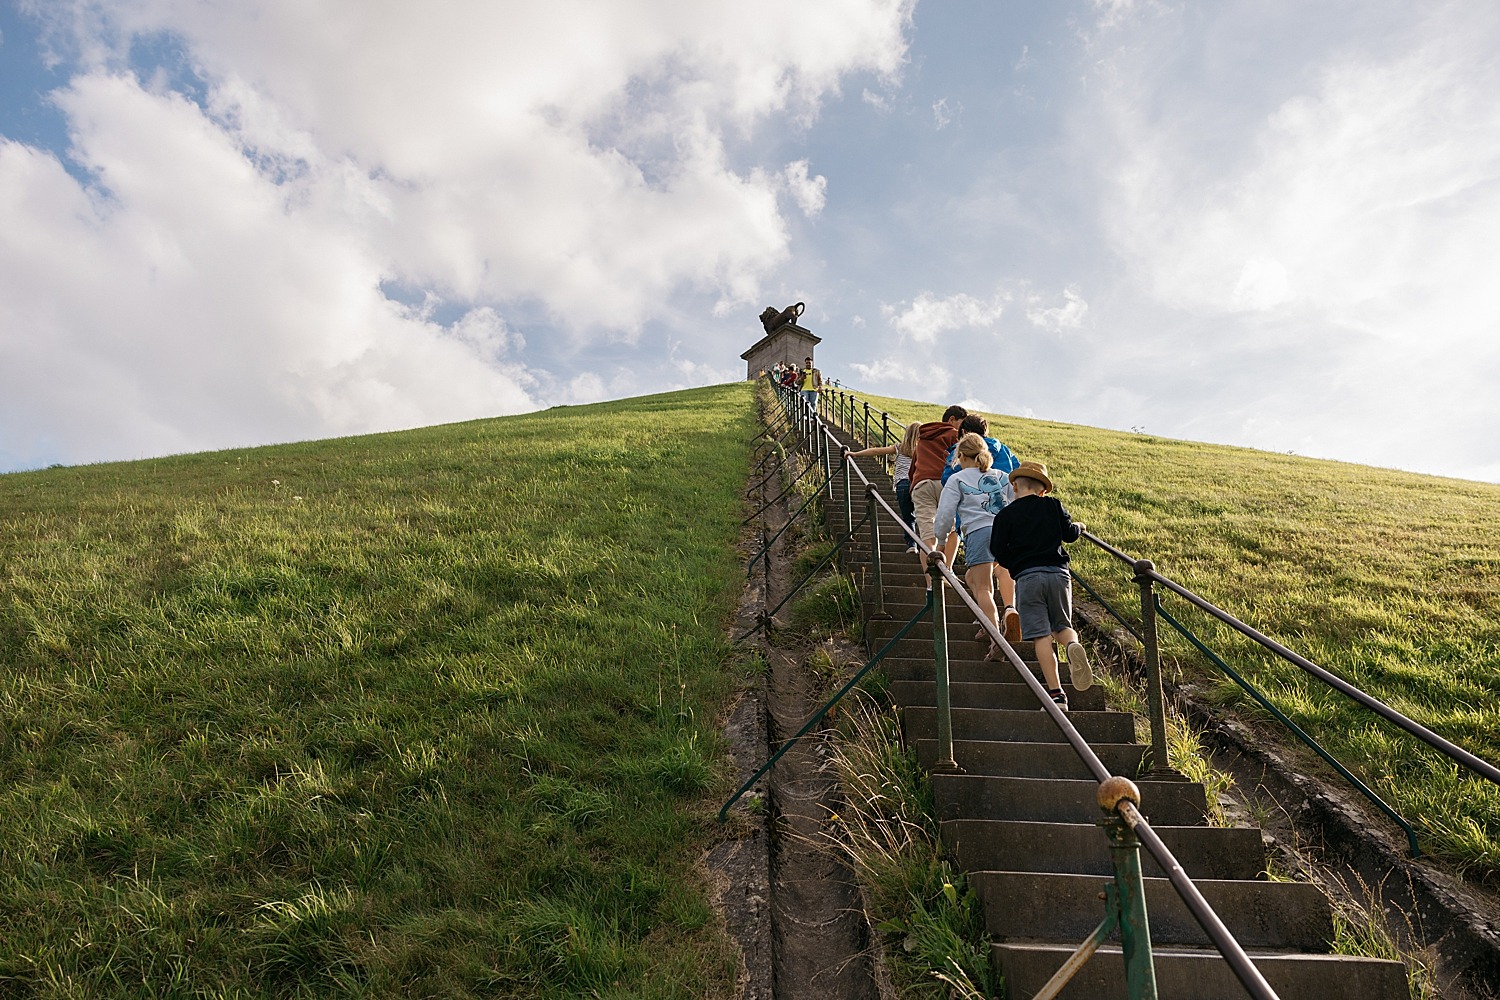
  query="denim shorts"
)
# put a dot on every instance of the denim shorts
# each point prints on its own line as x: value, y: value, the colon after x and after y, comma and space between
x: 1044, y: 597
x: 977, y: 547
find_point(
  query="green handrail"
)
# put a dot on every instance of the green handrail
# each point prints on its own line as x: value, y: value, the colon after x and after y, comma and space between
x: 750, y: 568
x: 767, y: 616
x: 901, y: 634
x: 1301, y: 734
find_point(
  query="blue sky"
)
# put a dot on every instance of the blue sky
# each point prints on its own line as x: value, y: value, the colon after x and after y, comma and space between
x: 232, y: 223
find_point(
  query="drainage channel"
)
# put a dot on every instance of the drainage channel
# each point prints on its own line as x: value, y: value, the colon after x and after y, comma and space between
x: 819, y: 931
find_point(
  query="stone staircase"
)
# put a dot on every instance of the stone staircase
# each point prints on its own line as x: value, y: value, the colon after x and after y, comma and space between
x: 1021, y: 820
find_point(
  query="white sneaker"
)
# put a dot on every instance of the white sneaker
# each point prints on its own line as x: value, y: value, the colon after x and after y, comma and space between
x: 1078, y: 667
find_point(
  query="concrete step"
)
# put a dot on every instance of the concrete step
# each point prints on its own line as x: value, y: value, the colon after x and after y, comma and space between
x: 1047, y: 906
x: 1057, y: 800
x: 959, y: 648
x: 1200, y: 974
x: 1082, y: 849
x: 1062, y: 907
x: 919, y: 668
x: 999, y: 693
x: 961, y: 628
x: 1032, y: 725
x: 1034, y: 760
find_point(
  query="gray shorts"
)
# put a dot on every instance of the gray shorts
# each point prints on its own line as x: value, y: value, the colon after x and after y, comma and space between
x: 1044, y: 597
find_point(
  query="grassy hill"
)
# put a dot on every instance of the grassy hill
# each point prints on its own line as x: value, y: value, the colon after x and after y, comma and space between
x: 1389, y: 579
x: 433, y: 713
x: 427, y: 713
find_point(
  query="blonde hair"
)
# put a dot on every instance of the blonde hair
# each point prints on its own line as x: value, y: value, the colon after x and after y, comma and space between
x: 972, y: 446
x: 908, y: 445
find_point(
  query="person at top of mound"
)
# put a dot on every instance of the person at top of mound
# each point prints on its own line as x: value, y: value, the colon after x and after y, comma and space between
x: 812, y: 381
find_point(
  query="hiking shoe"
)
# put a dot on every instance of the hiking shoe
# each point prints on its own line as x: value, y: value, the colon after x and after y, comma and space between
x: 1012, y: 621
x: 1078, y: 667
x: 911, y: 548
x: 1059, y: 699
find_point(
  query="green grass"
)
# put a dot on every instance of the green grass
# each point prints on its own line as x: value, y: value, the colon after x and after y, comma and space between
x: 419, y: 714
x: 930, y: 923
x: 1389, y: 579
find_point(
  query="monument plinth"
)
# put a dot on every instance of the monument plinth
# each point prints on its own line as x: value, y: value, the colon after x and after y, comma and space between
x: 784, y: 341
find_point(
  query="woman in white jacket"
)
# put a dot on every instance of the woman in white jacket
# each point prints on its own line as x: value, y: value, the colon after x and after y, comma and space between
x: 971, y: 498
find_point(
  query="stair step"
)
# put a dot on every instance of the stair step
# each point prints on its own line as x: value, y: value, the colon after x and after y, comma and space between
x: 1201, y: 974
x: 1034, y: 760
x: 913, y: 668
x: 997, y: 694
x: 1082, y: 849
x: 1017, y: 725
x: 959, y: 648
x: 1054, y: 800
x: 1293, y: 916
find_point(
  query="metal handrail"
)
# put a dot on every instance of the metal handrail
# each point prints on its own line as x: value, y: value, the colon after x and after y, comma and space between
x: 807, y: 726
x: 1202, y: 912
x: 1298, y: 731
x: 1144, y: 567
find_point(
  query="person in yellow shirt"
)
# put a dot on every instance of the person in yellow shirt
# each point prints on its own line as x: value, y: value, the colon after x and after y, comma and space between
x: 812, y: 381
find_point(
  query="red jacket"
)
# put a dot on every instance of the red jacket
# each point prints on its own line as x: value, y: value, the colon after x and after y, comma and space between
x: 933, y: 442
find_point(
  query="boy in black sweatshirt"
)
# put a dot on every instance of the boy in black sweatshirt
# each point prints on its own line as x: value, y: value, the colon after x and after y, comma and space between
x: 1027, y: 539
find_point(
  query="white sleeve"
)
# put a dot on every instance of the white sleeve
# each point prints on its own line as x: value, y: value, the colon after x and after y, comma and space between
x: 947, y: 507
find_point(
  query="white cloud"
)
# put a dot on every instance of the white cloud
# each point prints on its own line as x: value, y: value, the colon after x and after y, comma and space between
x: 1068, y: 316
x: 1349, y: 199
x: 913, y: 373
x: 193, y: 307
x: 927, y: 316
x: 220, y: 279
x: 810, y: 193
x: 943, y: 113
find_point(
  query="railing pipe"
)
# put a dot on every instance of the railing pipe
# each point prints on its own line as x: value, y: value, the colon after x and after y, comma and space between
x: 945, y: 761
x: 875, y: 557
x: 848, y: 494
x: 1244, y: 970
x: 1130, y: 888
x: 1476, y: 764
x: 1298, y: 731
x: 1155, y: 702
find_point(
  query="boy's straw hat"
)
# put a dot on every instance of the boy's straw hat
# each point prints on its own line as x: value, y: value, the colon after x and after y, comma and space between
x: 1032, y: 470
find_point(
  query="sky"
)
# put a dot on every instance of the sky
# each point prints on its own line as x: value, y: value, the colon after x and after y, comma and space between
x: 1268, y: 223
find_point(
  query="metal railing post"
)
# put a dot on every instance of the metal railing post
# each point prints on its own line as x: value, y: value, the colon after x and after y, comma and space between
x: 848, y: 494
x: 1155, y: 703
x: 1130, y: 890
x: 885, y: 428
x: 1124, y: 900
x: 827, y: 447
x: 867, y: 424
x: 874, y: 509
x: 945, y: 761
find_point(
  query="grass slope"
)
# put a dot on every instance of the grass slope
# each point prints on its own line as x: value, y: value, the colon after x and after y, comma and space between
x: 1389, y: 579
x: 417, y: 714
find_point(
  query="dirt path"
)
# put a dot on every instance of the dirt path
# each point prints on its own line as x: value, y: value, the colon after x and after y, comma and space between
x: 791, y: 904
